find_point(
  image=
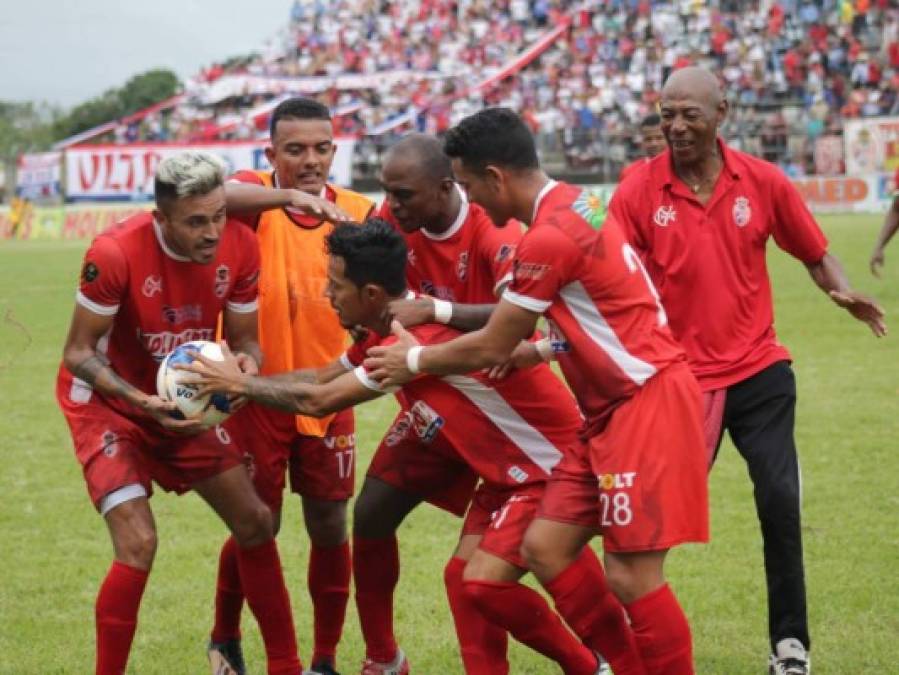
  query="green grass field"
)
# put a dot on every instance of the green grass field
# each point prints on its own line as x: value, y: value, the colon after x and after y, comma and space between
x: 54, y: 548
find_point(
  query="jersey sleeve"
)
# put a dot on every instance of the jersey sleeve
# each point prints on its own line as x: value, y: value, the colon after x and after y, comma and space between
x: 544, y: 262
x: 620, y: 208
x: 104, y: 277
x: 248, y: 218
x: 244, y: 295
x: 793, y: 227
x: 496, y: 248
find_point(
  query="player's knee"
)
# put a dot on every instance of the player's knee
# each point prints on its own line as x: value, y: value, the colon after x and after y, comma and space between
x: 537, y: 551
x: 369, y: 523
x: 325, y: 522
x: 253, y: 526
x: 137, y: 548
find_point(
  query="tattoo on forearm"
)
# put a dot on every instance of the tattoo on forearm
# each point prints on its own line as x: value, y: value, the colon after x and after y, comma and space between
x: 278, y: 393
x: 307, y: 376
x: 96, y: 371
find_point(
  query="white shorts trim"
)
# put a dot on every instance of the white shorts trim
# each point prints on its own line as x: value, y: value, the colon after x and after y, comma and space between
x: 120, y: 496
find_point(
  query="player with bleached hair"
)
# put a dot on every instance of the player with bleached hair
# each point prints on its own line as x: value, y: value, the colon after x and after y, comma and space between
x: 149, y: 284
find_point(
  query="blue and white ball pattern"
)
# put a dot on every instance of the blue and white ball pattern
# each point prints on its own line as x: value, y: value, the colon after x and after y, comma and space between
x: 211, y: 410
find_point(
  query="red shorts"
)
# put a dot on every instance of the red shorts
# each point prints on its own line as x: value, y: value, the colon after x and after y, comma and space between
x: 416, y: 458
x: 642, y: 480
x: 501, y: 516
x: 116, y: 451
x: 319, y: 468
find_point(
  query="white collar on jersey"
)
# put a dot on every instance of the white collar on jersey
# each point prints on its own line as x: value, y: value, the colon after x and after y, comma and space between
x: 323, y: 194
x: 160, y: 237
x: 457, y: 223
x: 550, y: 184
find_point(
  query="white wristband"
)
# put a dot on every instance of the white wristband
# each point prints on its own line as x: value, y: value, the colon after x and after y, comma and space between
x: 443, y: 311
x: 412, y: 357
x: 545, y: 349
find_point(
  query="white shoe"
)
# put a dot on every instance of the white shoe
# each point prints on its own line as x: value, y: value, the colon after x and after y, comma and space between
x: 399, y: 666
x: 790, y: 658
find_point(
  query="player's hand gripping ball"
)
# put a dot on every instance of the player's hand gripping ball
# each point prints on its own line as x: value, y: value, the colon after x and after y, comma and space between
x: 212, y: 409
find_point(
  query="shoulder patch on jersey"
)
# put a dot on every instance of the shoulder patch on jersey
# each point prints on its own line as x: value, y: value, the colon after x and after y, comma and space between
x: 591, y: 206
x: 90, y: 271
x: 505, y: 252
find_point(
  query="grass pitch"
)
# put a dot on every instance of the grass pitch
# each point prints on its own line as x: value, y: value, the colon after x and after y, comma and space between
x: 54, y: 549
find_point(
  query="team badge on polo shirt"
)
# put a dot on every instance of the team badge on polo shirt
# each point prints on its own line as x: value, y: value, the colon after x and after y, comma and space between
x: 664, y: 215
x: 591, y: 207
x: 742, y: 211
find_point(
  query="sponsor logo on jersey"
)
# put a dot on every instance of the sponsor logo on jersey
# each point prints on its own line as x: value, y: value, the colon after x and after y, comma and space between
x: 439, y: 292
x: 612, y: 481
x: 340, y: 442
x: 222, y: 280
x: 591, y: 207
x: 152, y: 286
x: 425, y: 421
x: 89, y: 272
x: 534, y: 271
x: 399, y: 430
x: 664, y: 215
x: 462, y: 266
x: 742, y: 212
x: 182, y: 314
x: 160, y: 344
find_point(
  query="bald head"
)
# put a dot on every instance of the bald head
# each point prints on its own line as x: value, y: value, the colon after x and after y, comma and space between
x: 423, y: 153
x: 693, y: 83
x: 692, y: 108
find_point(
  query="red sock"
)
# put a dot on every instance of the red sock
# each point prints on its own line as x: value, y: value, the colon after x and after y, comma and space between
x: 376, y: 569
x: 329, y: 586
x: 530, y: 620
x: 116, y: 616
x: 263, y: 584
x: 483, y: 644
x: 228, y: 595
x: 587, y: 604
x: 663, y: 634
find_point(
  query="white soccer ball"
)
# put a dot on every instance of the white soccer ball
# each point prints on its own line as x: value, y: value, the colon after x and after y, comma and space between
x: 211, y: 409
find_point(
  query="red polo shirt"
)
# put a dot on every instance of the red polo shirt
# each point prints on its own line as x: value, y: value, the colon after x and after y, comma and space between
x: 708, y: 262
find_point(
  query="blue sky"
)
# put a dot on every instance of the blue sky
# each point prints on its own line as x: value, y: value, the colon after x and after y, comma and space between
x: 66, y: 51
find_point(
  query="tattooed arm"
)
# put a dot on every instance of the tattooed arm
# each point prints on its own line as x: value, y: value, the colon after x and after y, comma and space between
x: 81, y: 358
x: 294, y: 392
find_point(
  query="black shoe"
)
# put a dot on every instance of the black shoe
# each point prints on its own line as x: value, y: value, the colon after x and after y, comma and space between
x: 321, y: 668
x: 226, y: 658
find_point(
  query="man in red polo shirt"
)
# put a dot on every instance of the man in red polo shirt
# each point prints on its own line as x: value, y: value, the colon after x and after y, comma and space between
x: 700, y: 216
x: 890, y: 225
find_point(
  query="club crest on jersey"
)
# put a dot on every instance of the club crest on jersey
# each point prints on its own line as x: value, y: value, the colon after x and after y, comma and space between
x: 504, y: 253
x: 664, y: 215
x: 462, y: 266
x: 222, y: 280
x: 90, y: 272
x: 742, y: 212
x: 591, y: 207
x: 152, y: 286
x: 109, y: 443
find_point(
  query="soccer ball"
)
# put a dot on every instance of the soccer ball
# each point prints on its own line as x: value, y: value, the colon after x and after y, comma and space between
x: 211, y: 409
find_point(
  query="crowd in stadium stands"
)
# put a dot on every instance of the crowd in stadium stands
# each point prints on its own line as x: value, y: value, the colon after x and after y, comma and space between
x: 793, y: 70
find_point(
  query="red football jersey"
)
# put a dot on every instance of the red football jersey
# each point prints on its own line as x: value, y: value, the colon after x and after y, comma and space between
x: 159, y: 299
x: 575, y: 266
x: 511, y: 432
x: 708, y: 260
x: 465, y: 264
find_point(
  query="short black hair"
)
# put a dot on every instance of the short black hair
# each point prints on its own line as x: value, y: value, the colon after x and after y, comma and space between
x: 651, y: 120
x: 492, y: 136
x: 298, y: 109
x: 374, y: 253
